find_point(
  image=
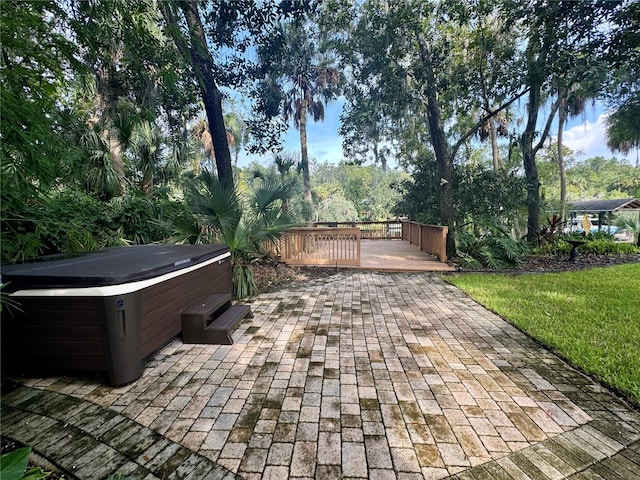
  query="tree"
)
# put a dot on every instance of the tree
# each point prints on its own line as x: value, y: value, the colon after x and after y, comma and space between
x: 133, y: 74
x: 369, y: 189
x: 35, y: 57
x: 36, y: 151
x: 245, y: 224
x: 623, y: 129
x: 193, y: 47
x: 219, y: 39
x: 622, y: 89
x: 405, y: 55
x: 304, y: 81
x: 550, y: 52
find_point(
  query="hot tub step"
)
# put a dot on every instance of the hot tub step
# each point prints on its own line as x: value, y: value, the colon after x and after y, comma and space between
x: 220, y: 329
x: 212, y: 320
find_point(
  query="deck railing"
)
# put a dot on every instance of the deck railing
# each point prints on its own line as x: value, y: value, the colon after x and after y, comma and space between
x: 321, y: 246
x: 338, y: 243
x: 430, y: 238
x: 389, y: 230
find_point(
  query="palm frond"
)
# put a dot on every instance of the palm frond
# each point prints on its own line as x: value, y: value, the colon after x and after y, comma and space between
x: 217, y: 203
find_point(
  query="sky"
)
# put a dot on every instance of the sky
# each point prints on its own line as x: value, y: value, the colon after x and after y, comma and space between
x: 585, y: 135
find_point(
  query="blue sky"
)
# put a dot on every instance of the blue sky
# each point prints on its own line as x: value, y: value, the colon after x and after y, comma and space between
x: 585, y: 135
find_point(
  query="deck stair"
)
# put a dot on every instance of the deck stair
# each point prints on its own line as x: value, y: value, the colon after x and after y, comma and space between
x: 212, y: 320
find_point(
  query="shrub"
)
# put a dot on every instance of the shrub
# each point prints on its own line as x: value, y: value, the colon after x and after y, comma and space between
x: 607, y: 246
x: 494, y: 249
x: 601, y: 244
x: 14, y: 466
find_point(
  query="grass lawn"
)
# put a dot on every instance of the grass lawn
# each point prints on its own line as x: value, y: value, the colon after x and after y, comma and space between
x: 591, y: 317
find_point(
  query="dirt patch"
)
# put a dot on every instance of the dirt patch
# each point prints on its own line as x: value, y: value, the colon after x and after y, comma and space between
x: 276, y: 276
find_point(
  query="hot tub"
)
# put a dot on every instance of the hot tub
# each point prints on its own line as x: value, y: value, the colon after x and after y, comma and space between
x: 105, y: 311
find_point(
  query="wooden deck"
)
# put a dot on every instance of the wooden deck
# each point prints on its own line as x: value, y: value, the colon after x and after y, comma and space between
x: 368, y: 249
x: 398, y: 256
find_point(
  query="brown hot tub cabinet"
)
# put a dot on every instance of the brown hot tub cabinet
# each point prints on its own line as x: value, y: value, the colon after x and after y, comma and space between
x: 109, y: 310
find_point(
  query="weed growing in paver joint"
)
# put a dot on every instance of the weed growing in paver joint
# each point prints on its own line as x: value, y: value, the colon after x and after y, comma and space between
x: 589, y: 317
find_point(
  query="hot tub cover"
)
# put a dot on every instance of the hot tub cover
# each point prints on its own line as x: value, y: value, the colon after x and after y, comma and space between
x: 110, y: 266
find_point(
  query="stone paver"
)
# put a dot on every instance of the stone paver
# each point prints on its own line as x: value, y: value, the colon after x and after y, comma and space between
x: 362, y: 375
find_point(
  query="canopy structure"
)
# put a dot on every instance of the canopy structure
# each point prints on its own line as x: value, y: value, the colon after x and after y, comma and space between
x: 605, y: 206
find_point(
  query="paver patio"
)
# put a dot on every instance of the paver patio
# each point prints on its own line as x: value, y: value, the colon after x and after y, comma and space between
x: 363, y: 375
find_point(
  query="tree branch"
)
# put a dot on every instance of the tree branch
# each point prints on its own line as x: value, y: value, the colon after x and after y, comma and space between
x: 174, y: 31
x: 547, y: 127
x: 472, y: 130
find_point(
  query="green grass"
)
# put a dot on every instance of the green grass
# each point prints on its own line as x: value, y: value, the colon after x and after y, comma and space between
x: 590, y: 317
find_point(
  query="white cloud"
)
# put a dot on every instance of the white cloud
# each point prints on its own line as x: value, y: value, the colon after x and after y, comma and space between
x: 589, y: 139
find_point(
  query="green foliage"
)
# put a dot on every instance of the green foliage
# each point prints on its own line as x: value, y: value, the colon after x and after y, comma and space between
x: 622, y: 88
x: 600, y: 243
x: 244, y: 284
x: 336, y: 208
x: 7, y: 302
x: 493, y: 248
x: 13, y: 466
x: 421, y: 194
x: 623, y: 127
x: 596, y: 177
x: 608, y: 246
x: 480, y: 195
x: 74, y: 221
x: 371, y: 190
x: 245, y: 223
x: 590, y: 316
x: 139, y: 219
x: 34, y: 151
x: 61, y: 222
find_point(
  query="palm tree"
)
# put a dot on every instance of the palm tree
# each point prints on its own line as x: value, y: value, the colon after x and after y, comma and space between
x: 308, y: 84
x: 245, y: 223
x: 571, y: 103
x: 147, y: 149
x: 623, y: 129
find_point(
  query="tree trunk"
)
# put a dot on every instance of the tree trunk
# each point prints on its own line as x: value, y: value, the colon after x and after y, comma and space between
x: 201, y: 61
x: 495, y: 151
x: 562, y: 117
x: 439, y: 143
x: 304, y: 154
x: 108, y: 104
x: 530, y: 167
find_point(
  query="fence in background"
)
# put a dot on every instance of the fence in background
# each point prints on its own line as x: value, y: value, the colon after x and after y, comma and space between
x: 389, y: 230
